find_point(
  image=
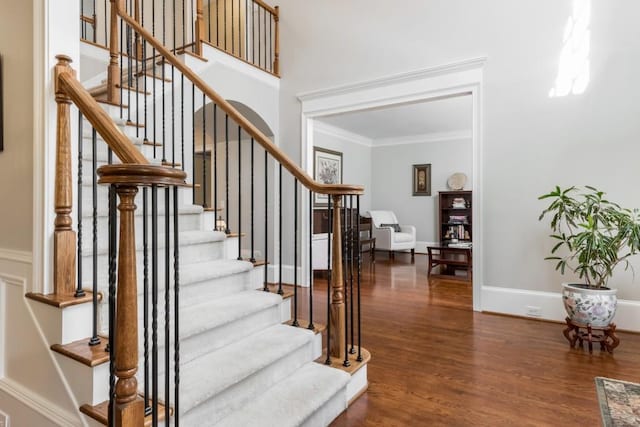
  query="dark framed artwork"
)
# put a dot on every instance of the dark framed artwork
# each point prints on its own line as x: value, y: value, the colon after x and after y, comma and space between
x: 422, y: 180
x: 327, y: 169
x: 1, y: 110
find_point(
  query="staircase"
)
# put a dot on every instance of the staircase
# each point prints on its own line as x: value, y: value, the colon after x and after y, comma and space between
x: 214, y: 346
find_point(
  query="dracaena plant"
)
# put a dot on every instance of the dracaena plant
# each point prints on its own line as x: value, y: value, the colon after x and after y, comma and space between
x: 593, y: 235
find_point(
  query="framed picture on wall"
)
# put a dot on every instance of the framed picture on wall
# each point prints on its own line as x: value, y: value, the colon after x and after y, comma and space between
x: 422, y: 180
x: 327, y: 169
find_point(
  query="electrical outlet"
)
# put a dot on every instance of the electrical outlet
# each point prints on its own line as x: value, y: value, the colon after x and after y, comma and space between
x: 4, y: 420
x: 533, y: 311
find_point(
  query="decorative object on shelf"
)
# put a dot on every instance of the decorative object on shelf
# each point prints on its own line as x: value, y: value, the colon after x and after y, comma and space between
x: 457, y: 181
x: 327, y: 169
x: 459, y: 203
x: 221, y: 225
x: 422, y: 180
x: 591, y: 236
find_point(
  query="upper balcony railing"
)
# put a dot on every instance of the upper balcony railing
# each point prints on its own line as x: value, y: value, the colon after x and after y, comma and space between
x: 245, y: 29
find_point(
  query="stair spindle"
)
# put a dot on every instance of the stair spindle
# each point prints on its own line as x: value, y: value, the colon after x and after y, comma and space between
x: 280, y: 291
x: 359, y: 359
x: 311, y: 325
x: 79, y: 291
x: 295, y: 252
x: 329, y: 275
x: 239, y: 193
x: 94, y: 340
x: 253, y: 233
x: 266, y: 221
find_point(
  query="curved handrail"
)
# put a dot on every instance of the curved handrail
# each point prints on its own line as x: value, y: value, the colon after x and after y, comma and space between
x: 67, y: 82
x: 258, y: 136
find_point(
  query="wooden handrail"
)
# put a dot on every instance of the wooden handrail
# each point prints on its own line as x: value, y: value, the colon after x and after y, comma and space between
x: 91, y: 110
x: 246, y: 125
x: 270, y: 9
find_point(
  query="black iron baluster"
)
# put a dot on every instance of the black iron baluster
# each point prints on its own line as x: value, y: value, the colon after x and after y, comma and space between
x: 154, y: 303
x: 311, y: 325
x: 209, y: 11
x: 266, y: 221
x: 173, y: 95
x: 193, y: 142
x: 226, y: 171
x: 122, y: 38
x: 239, y: 193
x: 354, y: 247
x: 95, y: 22
x: 246, y: 30
x: 204, y: 151
x: 264, y: 16
x: 144, y: 79
x: 167, y: 305
x: 83, y: 25
x: 182, y: 118
x: 145, y: 292
x: 253, y: 257
x: 214, y: 166
x: 176, y: 302
x: 95, y: 340
x: 233, y: 42
x: 162, y: 65
x: 153, y: 70
x: 295, y: 252
x: 79, y: 291
x: 329, y: 231
x: 270, y: 43
x: 129, y: 53
x: 107, y: 13
x: 359, y: 358
x: 280, y: 291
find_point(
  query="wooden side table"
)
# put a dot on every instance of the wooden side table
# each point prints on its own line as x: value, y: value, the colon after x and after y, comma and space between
x: 577, y: 333
x: 451, y: 258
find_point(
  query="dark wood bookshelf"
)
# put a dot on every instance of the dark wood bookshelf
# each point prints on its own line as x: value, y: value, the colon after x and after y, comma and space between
x: 461, y: 230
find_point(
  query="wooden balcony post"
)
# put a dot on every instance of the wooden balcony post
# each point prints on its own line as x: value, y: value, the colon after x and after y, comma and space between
x: 129, y: 406
x: 199, y: 33
x: 113, y: 71
x: 337, y: 285
x: 64, y: 238
x: 276, y: 48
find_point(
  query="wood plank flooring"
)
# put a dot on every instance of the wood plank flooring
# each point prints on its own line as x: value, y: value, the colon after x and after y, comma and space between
x: 436, y: 362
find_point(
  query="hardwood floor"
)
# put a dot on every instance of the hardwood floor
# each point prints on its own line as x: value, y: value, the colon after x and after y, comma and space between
x: 436, y: 362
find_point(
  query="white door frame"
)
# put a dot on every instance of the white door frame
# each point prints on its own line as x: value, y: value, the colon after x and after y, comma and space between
x: 459, y: 78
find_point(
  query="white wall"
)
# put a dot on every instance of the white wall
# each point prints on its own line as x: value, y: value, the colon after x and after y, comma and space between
x: 392, y: 186
x: 530, y: 141
x: 356, y: 158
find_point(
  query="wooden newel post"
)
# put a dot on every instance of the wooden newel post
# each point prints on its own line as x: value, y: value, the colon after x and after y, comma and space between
x: 337, y: 285
x: 199, y: 33
x: 276, y: 48
x: 113, y: 71
x: 64, y: 238
x: 129, y: 406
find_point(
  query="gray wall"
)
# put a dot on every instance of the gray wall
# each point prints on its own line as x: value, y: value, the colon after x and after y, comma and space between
x: 531, y: 141
x: 392, y: 185
x: 16, y: 161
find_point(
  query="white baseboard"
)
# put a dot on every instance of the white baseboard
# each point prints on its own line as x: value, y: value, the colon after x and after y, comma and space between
x: 34, y: 401
x: 549, y: 304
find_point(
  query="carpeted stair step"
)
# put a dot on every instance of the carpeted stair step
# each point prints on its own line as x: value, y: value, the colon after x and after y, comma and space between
x: 196, y: 246
x: 228, y: 379
x: 314, y: 395
x: 211, y: 325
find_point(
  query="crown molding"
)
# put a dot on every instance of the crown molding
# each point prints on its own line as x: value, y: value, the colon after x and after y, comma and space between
x: 453, y: 67
x: 424, y: 138
x: 327, y: 129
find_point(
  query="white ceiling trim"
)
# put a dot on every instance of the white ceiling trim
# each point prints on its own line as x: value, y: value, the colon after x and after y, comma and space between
x: 424, y: 138
x: 336, y: 132
x: 410, y: 76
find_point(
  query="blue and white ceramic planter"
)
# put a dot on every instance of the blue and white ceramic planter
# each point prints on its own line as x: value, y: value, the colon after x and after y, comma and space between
x: 589, y: 305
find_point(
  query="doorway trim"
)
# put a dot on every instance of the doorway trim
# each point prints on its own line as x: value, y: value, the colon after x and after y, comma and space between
x: 454, y: 79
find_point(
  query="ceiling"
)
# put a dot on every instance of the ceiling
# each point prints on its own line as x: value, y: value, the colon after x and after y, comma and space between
x: 441, y: 117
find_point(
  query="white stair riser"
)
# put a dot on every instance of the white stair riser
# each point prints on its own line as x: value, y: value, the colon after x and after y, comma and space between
x: 90, y: 385
x: 328, y: 412
x: 241, y: 393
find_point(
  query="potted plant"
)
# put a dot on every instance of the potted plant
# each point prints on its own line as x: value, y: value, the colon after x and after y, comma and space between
x: 593, y: 236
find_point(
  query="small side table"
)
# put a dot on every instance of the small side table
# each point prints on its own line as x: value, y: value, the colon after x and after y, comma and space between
x: 577, y: 333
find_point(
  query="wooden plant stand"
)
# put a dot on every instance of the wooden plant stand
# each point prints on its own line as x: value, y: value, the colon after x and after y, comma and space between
x: 579, y: 332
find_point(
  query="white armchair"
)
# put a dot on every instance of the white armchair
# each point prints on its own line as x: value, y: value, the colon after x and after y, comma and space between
x: 390, y: 235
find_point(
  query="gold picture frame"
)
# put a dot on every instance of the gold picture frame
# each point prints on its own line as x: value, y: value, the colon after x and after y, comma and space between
x: 422, y: 180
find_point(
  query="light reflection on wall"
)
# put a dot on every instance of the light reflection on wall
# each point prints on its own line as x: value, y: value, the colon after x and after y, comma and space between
x: 573, y: 68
